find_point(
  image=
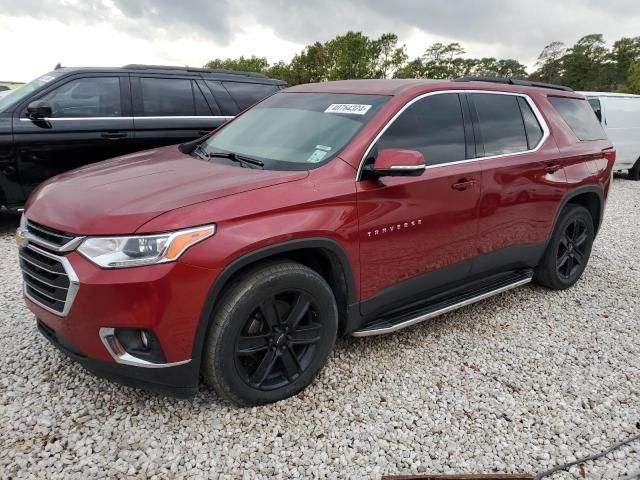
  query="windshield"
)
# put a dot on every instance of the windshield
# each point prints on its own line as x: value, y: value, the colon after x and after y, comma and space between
x: 8, y: 101
x: 296, y: 131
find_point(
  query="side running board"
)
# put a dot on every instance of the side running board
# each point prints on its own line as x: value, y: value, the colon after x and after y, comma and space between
x: 440, y: 305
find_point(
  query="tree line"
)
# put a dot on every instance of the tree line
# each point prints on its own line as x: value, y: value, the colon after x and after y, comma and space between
x: 587, y: 65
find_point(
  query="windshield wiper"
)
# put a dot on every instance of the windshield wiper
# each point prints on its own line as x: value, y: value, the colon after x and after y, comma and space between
x: 236, y: 157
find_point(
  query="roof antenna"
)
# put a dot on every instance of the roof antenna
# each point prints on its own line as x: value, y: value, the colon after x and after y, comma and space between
x: 58, y: 66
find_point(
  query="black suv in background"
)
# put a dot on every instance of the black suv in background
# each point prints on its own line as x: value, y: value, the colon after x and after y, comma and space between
x: 74, y: 116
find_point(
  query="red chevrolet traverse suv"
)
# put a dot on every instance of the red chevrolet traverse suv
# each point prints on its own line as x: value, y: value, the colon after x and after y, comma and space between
x: 354, y: 208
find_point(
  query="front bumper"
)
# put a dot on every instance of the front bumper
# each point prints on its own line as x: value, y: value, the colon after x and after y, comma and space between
x: 178, y: 381
x: 166, y: 299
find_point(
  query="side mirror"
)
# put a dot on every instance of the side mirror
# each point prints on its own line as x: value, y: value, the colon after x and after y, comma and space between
x: 38, y: 110
x: 395, y: 162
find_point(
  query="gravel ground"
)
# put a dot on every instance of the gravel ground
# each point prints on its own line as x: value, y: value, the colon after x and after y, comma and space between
x: 516, y: 384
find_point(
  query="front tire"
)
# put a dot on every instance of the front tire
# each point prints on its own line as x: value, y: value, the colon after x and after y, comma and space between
x: 634, y: 172
x: 568, y: 251
x: 271, y: 334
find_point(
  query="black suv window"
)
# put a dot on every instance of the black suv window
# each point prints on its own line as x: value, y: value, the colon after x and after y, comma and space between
x: 532, y: 127
x: 162, y: 97
x: 597, y: 108
x: 247, y: 94
x: 86, y: 97
x: 433, y: 126
x: 578, y: 114
x: 501, y: 125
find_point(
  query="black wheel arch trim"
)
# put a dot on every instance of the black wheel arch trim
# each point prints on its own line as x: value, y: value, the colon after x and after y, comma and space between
x: 262, y: 254
x: 571, y: 194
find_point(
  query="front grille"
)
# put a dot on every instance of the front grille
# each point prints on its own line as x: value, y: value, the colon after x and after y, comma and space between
x: 48, y: 279
x: 48, y: 236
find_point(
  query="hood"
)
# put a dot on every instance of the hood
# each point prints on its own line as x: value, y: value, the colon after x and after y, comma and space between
x: 120, y: 195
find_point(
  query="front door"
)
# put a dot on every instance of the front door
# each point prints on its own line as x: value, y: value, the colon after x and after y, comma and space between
x: 418, y: 234
x: 90, y: 122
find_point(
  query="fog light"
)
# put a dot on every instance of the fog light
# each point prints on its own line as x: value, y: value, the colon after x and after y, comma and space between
x: 139, y: 343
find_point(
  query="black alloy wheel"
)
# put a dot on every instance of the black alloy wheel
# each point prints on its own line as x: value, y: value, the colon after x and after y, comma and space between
x: 278, y: 340
x: 568, y: 250
x: 271, y: 333
x: 572, y: 248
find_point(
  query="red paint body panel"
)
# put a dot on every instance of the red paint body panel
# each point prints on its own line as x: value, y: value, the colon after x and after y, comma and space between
x: 391, y: 230
x: 410, y: 226
x: 119, y: 195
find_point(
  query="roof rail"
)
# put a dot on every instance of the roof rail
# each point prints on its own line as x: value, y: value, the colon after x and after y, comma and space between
x: 513, y: 81
x: 136, y: 66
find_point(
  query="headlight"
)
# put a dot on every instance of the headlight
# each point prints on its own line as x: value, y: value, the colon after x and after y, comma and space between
x: 133, y: 251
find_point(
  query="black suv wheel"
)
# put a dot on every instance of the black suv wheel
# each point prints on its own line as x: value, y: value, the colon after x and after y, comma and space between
x: 569, y: 250
x: 634, y: 173
x: 271, y: 334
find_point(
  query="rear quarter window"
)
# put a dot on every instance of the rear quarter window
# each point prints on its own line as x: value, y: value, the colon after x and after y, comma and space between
x: 578, y: 114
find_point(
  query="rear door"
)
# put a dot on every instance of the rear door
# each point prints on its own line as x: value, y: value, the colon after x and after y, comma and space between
x: 523, y: 180
x: 172, y: 109
x: 418, y: 234
x: 91, y: 121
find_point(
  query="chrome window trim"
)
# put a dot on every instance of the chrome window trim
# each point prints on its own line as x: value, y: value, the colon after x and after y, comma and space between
x: 407, y: 167
x: 74, y: 283
x: 107, y: 335
x: 140, y: 117
x: 536, y: 112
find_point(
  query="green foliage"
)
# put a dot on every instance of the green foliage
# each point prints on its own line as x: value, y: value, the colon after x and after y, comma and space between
x: 587, y: 65
x: 632, y: 84
x: 625, y: 54
x: 251, y: 64
x: 550, y: 66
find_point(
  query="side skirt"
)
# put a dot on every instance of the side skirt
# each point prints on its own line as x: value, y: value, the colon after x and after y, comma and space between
x: 433, y: 307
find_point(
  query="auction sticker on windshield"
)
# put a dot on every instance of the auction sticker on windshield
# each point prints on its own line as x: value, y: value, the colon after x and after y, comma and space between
x: 350, y: 108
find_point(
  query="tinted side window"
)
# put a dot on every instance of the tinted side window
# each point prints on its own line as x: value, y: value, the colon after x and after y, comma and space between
x: 166, y: 97
x: 501, y: 124
x: 86, y: 97
x: 532, y: 127
x: 433, y: 126
x: 202, y: 107
x: 248, y: 94
x: 578, y: 114
x: 597, y: 108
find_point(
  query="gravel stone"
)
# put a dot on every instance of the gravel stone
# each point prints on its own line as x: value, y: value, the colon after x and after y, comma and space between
x: 516, y: 384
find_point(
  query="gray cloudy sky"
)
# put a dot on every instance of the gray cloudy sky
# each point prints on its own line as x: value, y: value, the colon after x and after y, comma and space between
x: 37, y: 34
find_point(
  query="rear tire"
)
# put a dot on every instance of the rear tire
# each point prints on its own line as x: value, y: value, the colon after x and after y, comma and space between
x: 271, y: 334
x: 634, y: 172
x: 569, y: 249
